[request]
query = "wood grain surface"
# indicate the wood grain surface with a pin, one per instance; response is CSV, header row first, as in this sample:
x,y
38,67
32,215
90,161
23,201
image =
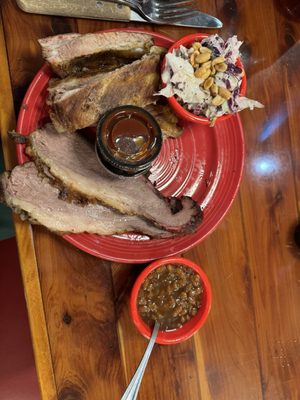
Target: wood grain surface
x,y
27,257
249,349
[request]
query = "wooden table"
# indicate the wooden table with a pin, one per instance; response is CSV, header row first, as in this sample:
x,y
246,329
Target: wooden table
x,y
86,347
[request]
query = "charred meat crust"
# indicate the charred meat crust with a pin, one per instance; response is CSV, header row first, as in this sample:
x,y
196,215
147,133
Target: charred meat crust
x,y
176,205
17,137
100,62
197,215
78,102
75,53
2,193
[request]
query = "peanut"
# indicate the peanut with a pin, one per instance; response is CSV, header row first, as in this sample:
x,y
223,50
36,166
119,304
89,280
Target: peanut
x,y
218,60
206,75
192,59
214,89
207,64
202,58
226,94
204,49
196,45
213,70
221,67
218,100
208,83
200,72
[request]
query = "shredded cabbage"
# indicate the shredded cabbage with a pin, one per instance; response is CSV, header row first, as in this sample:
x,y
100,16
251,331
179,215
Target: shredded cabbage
x,y
178,76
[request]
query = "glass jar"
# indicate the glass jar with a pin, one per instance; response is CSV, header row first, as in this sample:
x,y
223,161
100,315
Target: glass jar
x,y
128,139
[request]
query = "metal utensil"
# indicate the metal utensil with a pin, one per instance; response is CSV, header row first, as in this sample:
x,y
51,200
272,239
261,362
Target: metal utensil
x,y
134,385
112,10
173,12
156,11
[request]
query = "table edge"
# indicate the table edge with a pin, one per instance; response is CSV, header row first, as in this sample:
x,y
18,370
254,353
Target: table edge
x,y
27,258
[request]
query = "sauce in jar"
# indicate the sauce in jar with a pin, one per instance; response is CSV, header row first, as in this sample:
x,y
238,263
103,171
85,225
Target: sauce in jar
x,y
128,140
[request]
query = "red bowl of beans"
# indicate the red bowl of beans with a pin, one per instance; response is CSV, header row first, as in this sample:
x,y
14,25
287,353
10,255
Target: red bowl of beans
x,y
175,292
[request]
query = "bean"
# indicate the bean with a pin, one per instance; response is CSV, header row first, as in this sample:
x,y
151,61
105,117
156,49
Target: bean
x,y
192,301
171,303
170,267
198,290
195,280
194,311
189,287
161,269
142,301
180,273
177,311
183,295
144,309
171,295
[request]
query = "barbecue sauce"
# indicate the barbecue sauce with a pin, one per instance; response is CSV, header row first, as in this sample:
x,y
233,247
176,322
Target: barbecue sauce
x,y
128,140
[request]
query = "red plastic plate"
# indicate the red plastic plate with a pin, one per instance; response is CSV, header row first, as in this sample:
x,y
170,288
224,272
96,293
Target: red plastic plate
x,y
204,163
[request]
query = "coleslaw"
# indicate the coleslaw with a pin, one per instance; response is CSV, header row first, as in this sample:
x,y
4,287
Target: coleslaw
x,y
205,79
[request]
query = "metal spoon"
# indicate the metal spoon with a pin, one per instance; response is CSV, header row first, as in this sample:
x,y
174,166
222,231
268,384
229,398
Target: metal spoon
x,y
134,385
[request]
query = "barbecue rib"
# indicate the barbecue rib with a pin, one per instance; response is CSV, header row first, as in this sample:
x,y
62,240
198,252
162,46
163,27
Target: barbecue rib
x,y
76,103
73,53
72,160
35,199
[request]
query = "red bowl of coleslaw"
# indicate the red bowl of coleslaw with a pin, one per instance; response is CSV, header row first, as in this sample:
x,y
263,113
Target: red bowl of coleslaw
x,y
205,112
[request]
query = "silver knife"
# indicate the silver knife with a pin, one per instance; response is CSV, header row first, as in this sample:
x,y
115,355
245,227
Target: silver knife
x,y
95,9
201,20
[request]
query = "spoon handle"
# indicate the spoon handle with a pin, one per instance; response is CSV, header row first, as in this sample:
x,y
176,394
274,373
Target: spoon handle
x,y
134,385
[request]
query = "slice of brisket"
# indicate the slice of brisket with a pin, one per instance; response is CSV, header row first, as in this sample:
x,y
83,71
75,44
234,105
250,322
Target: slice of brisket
x,y
76,103
72,160
73,53
32,196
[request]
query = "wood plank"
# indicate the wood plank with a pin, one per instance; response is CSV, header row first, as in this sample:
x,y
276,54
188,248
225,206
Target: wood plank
x,y
27,258
79,308
291,77
270,209
228,340
7,113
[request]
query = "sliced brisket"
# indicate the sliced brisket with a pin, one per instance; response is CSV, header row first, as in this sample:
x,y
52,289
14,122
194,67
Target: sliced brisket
x,y
72,160
32,196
